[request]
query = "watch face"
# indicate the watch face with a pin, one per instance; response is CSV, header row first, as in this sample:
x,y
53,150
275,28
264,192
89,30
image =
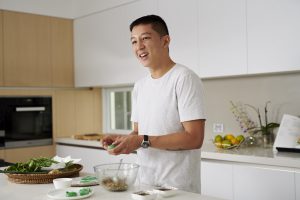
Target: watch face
x,y
145,144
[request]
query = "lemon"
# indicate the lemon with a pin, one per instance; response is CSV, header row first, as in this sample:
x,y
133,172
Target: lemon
x,y
240,138
228,137
234,141
218,144
218,138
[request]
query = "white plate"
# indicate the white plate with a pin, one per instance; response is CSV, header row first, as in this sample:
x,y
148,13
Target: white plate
x,y
61,193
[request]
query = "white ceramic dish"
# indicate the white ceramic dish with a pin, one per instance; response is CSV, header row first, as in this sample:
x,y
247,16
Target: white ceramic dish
x,y
60,183
61,193
144,195
166,191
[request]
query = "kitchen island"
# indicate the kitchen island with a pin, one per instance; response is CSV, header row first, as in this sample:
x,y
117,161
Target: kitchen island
x,y
13,191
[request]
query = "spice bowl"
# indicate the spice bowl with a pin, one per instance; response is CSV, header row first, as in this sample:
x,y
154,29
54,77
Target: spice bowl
x,y
116,177
144,195
166,191
60,183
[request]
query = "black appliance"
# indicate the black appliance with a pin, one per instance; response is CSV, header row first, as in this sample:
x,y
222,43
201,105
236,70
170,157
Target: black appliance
x,y
25,121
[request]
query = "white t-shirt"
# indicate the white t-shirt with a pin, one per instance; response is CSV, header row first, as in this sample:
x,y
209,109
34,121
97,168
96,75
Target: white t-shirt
x,y
159,106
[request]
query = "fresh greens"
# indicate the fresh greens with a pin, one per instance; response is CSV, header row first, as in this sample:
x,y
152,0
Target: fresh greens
x,y
82,192
88,179
71,194
33,165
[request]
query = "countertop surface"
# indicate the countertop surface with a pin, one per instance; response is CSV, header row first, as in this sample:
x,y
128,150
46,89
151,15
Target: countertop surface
x,y
253,155
13,191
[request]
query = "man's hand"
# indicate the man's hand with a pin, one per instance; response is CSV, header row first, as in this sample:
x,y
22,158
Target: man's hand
x,y
126,144
108,140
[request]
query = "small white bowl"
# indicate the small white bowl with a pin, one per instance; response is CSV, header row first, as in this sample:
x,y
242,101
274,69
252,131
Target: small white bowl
x,y
144,195
166,191
60,183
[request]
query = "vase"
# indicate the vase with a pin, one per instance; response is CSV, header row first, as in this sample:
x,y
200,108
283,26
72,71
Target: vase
x,y
268,140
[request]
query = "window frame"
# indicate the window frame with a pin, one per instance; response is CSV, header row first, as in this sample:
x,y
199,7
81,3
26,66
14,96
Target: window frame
x,y
106,104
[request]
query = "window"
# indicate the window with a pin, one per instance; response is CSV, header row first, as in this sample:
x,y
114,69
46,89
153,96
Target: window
x,y
117,110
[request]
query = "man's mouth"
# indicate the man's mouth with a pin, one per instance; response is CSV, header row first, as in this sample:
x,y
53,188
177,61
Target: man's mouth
x,y
143,55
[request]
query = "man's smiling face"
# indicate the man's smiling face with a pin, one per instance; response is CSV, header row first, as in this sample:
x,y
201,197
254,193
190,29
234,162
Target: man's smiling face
x,y
147,45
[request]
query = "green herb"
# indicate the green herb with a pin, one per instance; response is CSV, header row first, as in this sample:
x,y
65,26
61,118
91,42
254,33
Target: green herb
x,y
71,194
111,146
33,165
85,191
88,179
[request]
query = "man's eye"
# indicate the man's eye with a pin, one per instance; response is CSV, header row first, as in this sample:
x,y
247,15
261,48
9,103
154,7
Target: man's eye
x,y
133,42
146,38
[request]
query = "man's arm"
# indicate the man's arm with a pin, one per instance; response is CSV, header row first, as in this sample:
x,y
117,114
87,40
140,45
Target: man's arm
x,y
191,138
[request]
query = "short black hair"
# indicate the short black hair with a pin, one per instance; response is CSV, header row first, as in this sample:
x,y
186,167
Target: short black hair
x,y
157,23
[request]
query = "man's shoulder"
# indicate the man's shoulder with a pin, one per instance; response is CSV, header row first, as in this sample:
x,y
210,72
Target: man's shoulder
x,y
183,71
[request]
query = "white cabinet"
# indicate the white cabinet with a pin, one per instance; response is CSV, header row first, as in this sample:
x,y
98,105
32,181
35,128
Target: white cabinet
x,y
222,37
297,181
91,157
260,183
103,54
216,179
181,20
273,28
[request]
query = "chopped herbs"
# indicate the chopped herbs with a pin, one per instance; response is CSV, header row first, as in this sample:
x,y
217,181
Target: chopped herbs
x,y
82,192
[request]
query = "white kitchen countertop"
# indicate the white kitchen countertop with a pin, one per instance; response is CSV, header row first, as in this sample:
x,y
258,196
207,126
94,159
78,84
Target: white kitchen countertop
x,y
252,155
13,191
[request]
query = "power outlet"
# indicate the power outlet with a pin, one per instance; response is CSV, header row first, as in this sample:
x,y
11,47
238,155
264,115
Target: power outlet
x,y
218,128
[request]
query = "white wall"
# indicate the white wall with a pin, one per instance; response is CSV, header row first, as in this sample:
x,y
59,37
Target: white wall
x,y
281,89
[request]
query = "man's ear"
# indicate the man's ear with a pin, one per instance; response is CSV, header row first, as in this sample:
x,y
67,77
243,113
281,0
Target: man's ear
x,y
166,41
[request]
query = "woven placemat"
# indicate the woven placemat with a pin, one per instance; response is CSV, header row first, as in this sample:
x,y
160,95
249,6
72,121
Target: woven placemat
x,y
44,178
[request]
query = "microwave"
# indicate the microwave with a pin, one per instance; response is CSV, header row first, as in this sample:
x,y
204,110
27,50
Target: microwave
x,y
25,121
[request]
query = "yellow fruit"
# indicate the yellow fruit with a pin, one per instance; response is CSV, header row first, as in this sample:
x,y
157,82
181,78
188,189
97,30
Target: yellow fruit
x,y
228,137
234,141
218,144
218,138
226,144
240,138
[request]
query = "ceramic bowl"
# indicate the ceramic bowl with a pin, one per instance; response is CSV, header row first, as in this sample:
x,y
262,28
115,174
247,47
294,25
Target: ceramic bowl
x,y
144,195
166,191
60,183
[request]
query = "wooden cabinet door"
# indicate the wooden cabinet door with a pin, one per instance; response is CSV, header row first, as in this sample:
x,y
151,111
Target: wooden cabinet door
x,y
273,28
182,24
222,38
1,49
27,55
62,52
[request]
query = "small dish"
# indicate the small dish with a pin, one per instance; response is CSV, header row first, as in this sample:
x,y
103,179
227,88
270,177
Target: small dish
x,y
60,183
166,191
61,193
144,195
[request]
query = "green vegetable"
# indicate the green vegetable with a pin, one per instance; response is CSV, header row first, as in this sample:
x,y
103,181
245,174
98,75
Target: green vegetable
x,y
85,191
88,179
111,146
33,165
71,194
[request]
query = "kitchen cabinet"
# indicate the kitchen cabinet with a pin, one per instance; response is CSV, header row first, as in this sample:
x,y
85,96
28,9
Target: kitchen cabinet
x,y
297,181
273,29
1,49
91,156
26,49
181,21
216,179
77,111
103,54
222,38
263,182
24,154
62,52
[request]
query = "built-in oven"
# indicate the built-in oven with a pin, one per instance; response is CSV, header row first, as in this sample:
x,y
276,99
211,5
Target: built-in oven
x,y
25,121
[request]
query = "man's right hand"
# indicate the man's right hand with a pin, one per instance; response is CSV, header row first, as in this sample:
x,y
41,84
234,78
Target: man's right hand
x,y
108,140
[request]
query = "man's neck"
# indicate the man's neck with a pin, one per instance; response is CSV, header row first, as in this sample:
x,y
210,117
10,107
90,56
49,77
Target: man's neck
x,y
163,68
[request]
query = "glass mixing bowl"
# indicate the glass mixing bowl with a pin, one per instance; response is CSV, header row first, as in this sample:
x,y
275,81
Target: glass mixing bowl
x,y
116,176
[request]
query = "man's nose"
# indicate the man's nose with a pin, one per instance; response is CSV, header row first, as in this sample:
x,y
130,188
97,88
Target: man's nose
x,y
140,44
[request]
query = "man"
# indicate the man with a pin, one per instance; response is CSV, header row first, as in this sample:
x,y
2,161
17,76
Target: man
x,y
167,112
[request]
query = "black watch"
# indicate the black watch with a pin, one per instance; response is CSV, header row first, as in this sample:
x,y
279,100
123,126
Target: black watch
x,y
146,142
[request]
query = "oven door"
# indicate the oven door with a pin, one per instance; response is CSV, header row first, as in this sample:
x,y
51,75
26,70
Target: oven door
x,y
28,126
